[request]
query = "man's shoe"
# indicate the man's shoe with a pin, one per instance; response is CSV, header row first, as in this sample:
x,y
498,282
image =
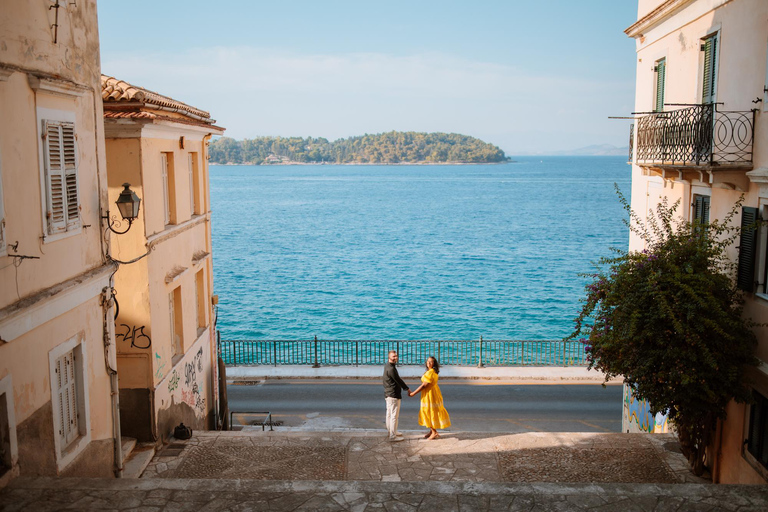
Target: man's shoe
x,y
398,435
396,439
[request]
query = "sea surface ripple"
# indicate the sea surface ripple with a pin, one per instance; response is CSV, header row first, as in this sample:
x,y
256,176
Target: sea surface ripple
x,y
411,252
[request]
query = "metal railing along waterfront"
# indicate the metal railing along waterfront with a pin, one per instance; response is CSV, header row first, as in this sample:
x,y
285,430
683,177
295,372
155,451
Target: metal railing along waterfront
x,y
316,352
697,135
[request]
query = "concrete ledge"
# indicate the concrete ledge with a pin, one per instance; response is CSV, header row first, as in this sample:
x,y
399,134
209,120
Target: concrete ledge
x,y
512,374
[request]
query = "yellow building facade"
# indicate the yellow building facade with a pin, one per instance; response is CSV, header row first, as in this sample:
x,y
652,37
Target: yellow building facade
x,y
701,137
58,415
165,325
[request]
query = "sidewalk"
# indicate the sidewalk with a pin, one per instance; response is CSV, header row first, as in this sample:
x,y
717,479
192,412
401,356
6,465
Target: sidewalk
x,y
361,471
508,374
281,472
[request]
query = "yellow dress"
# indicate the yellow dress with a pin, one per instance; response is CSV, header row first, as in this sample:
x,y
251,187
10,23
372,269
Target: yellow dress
x,y
432,414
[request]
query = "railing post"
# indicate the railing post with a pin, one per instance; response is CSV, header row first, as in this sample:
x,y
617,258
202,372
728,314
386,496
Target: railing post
x,y
565,363
480,361
439,358
357,350
397,349
274,353
315,365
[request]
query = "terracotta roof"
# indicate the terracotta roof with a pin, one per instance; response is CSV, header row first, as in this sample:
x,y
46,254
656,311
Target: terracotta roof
x,y
118,92
152,116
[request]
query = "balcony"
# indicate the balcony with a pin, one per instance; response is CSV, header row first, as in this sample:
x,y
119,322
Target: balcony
x,y
695,140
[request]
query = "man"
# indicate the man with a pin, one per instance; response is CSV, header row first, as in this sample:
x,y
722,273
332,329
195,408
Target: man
x,y
393,385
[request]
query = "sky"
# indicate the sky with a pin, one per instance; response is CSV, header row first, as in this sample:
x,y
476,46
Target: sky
x,y
530,76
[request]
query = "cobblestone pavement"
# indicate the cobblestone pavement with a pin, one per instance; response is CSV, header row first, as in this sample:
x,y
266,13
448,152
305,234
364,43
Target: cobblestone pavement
x,y
160,494
456,457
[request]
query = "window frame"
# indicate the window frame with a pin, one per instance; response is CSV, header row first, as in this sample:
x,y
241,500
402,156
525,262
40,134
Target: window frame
x,y
165,176
45,116
3,237
6,393
67,452
762,444
176,317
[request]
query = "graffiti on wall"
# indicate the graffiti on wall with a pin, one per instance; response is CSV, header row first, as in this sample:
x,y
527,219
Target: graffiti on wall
x,y
135,335
191,368
173,382
186,383
638,417
160,365
193,399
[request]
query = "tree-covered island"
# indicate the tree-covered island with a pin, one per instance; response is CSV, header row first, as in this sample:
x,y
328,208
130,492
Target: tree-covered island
x,y
383,148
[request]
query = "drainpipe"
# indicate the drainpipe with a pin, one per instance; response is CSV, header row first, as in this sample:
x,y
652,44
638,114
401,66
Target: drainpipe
x,y
110,360
212,346
107,294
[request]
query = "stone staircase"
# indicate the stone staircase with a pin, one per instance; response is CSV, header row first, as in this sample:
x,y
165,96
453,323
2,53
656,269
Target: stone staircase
x,y
136,457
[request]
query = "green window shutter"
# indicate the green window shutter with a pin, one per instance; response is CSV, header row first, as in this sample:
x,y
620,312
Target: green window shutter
x,y
747,249
661,72
710,65
701,209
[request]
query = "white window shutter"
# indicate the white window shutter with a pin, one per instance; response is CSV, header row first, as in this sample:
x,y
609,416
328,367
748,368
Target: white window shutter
x,y
54,177
69,150
67,396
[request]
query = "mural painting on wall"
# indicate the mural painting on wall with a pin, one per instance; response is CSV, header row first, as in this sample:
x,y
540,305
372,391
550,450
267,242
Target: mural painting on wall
x,y
637,414
135,335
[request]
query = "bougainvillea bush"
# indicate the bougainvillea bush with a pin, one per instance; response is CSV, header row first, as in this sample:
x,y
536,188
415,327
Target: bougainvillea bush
x,y
668,319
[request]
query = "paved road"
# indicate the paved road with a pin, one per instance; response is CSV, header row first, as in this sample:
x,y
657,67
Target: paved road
x,y
474,407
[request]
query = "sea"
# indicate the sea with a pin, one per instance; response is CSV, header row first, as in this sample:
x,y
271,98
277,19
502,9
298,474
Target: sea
x,y
412,252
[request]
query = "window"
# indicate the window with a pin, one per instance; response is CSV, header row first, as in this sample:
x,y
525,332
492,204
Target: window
x,y
202,322
169,188
177,327
747,249
757,443
9,451
765,86
701,209
66,397
194,185
710,47
62,201
69,392
660,71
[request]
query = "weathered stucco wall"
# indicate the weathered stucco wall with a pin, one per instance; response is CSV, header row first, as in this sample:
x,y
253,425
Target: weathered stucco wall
x,y
740,79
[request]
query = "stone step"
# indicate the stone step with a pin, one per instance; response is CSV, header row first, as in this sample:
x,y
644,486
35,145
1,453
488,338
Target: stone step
x,y
284,496
140,458
127,444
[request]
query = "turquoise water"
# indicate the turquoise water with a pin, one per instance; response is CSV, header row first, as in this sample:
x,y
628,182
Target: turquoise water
x,y
411,252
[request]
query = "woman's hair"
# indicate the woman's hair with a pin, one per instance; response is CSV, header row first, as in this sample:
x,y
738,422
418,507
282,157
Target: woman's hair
x,y
435,364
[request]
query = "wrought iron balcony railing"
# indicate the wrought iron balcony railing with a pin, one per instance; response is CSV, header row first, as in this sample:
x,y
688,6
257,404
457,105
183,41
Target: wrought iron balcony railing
x,y
695,136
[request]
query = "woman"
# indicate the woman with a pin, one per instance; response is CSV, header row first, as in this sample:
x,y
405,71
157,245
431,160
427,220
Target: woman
x,y
432,414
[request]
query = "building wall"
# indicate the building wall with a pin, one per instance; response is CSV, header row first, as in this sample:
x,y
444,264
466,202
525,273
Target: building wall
x,y
50,304
177,384
742,26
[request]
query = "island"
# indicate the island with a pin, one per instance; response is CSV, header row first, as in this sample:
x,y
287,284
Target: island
x,y
382,148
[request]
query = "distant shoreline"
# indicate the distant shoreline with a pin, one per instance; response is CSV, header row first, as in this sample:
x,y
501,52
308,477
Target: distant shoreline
x,y
230,164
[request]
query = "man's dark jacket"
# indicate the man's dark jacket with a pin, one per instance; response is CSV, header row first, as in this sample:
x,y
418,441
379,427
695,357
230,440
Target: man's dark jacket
x,y
392,382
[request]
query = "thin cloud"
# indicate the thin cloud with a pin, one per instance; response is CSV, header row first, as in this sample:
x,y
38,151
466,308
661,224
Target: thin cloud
x,y
260,91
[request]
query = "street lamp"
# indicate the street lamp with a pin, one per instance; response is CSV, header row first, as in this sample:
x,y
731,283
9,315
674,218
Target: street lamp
x,y
128,204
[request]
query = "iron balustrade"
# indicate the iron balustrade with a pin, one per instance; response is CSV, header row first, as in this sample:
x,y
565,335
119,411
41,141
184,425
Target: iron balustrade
x,y
697,135
316,352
